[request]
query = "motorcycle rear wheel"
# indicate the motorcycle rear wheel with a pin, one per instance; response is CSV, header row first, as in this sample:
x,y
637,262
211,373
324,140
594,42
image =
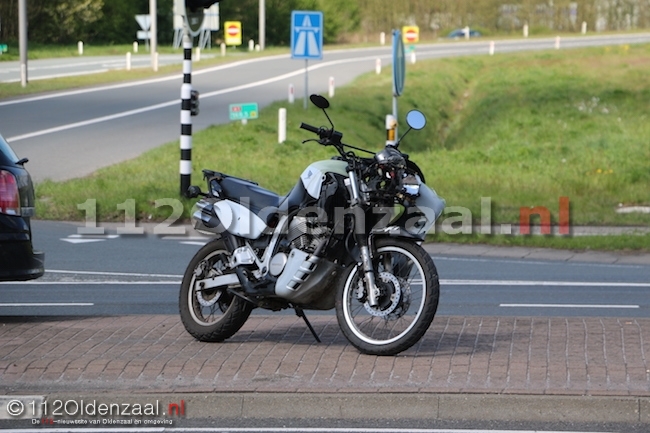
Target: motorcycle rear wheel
x,y
410,290
211,315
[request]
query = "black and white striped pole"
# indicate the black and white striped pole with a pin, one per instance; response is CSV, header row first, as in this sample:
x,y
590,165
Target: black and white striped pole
x,y
194,12
186,115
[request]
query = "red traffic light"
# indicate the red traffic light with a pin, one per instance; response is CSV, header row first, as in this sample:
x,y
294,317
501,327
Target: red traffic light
x,y
193,5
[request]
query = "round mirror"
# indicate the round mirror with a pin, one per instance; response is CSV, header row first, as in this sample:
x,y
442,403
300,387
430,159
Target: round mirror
x,y
415,119
319,101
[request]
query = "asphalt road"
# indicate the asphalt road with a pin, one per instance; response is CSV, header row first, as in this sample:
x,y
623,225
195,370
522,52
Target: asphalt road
x,y
83,65
71,134
123,274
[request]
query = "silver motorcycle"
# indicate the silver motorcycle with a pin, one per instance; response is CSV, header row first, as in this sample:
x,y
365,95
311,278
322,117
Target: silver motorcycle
x,y
347,237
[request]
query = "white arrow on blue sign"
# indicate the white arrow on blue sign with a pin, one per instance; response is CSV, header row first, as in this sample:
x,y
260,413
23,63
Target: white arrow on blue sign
x,y
307,35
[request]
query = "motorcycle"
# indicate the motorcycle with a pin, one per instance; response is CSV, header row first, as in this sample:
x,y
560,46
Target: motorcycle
x,y
346,237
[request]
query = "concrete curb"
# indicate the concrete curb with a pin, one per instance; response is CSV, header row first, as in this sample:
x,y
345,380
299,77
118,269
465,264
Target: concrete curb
x,y
351,406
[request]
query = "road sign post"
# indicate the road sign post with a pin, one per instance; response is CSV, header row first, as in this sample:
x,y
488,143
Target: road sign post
x,y
399,71
307,40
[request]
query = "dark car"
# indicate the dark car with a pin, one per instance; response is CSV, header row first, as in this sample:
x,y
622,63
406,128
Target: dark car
x,y
18,260
460,33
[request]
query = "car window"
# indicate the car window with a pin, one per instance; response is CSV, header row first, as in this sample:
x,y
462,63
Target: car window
x,y
7,151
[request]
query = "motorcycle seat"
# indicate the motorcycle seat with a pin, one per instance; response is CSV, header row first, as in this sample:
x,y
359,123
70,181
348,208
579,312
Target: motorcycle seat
x,y
249,194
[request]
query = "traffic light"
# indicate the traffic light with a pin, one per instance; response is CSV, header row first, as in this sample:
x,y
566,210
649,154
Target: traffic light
x,y
194,102
193,5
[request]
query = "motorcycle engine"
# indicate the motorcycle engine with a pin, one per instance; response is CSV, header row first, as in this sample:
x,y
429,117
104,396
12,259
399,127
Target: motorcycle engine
x,y
305,233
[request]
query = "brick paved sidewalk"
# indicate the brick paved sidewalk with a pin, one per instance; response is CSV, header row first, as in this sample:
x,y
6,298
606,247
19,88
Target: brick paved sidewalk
x,y
559,356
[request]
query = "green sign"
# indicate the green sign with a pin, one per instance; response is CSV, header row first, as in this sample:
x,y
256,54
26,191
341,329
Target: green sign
x,y
243,111
3,48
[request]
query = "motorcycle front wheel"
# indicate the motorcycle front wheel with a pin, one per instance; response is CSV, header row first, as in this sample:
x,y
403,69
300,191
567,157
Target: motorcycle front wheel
x,y
409,292
213,314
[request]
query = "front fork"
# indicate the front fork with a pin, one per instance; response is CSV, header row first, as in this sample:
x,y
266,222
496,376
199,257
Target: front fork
x,y
362,241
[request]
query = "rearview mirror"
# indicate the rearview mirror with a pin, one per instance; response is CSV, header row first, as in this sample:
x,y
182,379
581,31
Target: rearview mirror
x,y
415,119
319,101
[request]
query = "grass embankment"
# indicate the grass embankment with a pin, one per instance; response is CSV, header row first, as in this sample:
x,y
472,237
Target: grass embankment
x,y
522,129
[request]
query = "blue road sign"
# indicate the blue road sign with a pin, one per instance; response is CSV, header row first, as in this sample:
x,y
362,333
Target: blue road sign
x,y
307,35
399,68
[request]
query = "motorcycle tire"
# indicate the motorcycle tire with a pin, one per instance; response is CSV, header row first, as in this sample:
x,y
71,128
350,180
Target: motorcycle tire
x,y
211,315
409,293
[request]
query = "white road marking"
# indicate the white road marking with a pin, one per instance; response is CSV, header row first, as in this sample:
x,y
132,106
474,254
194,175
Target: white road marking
x,y
49,304
539,283
568,306
173,102
47,77
88,283
122,274
527,261
132,83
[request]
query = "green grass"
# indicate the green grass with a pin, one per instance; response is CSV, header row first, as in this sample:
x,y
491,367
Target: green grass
x,y
522,129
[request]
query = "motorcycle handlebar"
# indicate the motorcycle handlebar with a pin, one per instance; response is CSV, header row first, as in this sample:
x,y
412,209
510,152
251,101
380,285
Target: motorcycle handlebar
x,y
310,128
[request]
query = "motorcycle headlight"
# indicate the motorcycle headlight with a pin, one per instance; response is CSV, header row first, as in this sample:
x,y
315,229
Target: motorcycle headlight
x,y
411,185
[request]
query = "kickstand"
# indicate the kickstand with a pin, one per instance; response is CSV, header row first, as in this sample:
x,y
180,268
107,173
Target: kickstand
x,y
301,313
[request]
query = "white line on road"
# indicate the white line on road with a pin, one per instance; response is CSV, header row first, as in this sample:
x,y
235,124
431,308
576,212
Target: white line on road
x,y
49,304
527,261
568,306
539,283
175,101
123,274
88,283
132,83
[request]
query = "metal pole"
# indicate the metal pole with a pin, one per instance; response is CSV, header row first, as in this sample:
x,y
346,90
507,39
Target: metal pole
x,y
186,115
262,25
153,11
395,116
306,82
22,36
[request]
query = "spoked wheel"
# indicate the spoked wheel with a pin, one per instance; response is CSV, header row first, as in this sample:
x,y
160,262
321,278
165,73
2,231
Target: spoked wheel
x,y
409,291
210,314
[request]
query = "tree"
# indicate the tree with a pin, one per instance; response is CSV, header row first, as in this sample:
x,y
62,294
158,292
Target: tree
x,y
63,21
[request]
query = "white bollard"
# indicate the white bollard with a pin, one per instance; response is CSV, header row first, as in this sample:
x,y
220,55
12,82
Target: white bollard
x,y
135,47
80,48
251,45
198,54
412,57
257,47
223,50
382,38
155,61
282,125
466,31
584,27
491,48
331,87
525,30
557,42
128,61
378,66
291,94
